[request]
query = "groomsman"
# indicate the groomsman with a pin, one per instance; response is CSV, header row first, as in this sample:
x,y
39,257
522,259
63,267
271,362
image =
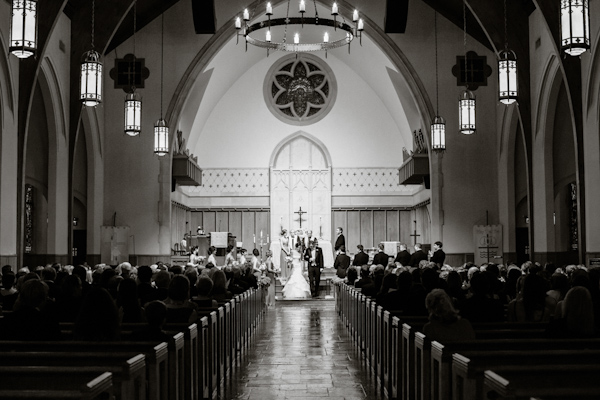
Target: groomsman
x,y
381,258
417,256
403,256
361,258
437,255
341,263
341,240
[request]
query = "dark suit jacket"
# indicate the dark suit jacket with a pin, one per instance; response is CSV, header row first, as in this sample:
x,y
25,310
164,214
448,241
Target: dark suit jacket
x,y
361,258
318,256
438,257
341,240
341,264
403,258
416,258
381,258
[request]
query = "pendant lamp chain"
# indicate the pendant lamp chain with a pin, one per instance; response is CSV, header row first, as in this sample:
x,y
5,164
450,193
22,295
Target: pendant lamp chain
x,y
93,20
162,50
465,39
505,28
437,91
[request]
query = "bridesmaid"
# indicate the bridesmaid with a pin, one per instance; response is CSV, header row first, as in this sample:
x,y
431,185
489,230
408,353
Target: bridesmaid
x,y
212,252
284,240
229,258
270,272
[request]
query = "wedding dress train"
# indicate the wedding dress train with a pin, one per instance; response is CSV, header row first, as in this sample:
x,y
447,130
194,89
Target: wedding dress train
x,y
296,286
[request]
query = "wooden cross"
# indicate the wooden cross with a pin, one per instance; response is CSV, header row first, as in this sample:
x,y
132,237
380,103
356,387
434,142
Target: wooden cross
x,y
414,235
300,212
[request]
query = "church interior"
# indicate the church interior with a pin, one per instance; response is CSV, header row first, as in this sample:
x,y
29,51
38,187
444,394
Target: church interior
x,y
133,130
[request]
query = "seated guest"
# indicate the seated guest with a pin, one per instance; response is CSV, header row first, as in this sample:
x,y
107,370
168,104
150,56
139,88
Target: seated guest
x,y
445,324
381,258
128,303
146,292
98,319
388,285
351,276
574,316
8,293
125,269
365,278
249,277
204,288
481,306
454,288
155,313
559,285
31,319
373,288
237,285
533,305
68,303
403,256
162,281
415,303
219,289
192,275
361,258
82,273
510,286
341,263
397,299
48,276
179,307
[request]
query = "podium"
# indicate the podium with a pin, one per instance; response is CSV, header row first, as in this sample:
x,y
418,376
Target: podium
x,y
204,242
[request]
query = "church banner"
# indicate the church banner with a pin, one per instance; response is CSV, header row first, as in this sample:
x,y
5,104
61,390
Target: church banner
x,y
218,239
488,243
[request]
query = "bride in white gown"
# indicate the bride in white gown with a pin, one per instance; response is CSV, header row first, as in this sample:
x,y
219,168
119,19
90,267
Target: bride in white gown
x,y
296,287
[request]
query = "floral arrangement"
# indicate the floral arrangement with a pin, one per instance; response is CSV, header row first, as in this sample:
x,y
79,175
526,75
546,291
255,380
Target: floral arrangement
x,y
264,281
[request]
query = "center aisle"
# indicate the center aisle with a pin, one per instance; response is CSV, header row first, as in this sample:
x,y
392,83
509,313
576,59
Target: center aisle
x,y
301,350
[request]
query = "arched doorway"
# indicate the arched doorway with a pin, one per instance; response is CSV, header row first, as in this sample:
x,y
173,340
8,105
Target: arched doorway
x,y
300,171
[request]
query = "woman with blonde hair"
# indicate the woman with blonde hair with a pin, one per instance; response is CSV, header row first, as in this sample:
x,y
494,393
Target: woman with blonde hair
x,y
574,316
445,324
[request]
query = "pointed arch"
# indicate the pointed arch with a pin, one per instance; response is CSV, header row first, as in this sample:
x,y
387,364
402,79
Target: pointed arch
x,y
300,134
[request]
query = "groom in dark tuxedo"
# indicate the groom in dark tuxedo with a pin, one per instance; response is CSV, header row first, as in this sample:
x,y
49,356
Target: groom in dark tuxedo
x,y
314,256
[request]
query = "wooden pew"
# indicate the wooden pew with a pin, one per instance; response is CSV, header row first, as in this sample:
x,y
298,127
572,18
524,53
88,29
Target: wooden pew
x,y
128,370
441,355
54,383
156,356
549,381
468,367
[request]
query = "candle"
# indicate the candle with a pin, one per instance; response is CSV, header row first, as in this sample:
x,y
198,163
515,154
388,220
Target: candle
x,y
268,36
334,9
246,15
238,23
254,238
267,238
269,9
302,6
326,37
261,234
355,16
361,25
296,38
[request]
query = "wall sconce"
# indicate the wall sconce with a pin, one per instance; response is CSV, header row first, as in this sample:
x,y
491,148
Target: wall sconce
x,y
75,221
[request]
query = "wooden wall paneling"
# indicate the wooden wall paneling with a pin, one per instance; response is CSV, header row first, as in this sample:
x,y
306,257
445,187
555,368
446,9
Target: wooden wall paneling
x,y
222,221
339,220
235,224
393,225
379,227
366,228
262,224
406,228
353,233
210,221
197,220
247,230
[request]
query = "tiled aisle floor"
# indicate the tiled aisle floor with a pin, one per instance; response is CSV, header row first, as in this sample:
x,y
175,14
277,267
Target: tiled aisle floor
x,y
301,350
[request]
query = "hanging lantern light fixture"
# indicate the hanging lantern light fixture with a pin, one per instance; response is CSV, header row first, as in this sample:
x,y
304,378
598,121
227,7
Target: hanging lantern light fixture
x,y
161,128
23,28
466,100
507,70
91,73
438,125
574,26
133,100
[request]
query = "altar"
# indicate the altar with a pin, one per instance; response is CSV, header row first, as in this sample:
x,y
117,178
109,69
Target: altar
x,y
323,244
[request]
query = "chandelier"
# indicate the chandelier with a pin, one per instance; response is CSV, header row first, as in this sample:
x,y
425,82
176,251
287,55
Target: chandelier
x,y
507,70
133,100
466,100
286,32
438,125
23,28
161,127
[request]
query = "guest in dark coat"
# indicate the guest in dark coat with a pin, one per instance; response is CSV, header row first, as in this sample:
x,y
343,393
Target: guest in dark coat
x,y
341,263
156,317
361,258
381,258
365,278
437,255
98,319
146,292
482,306
403,256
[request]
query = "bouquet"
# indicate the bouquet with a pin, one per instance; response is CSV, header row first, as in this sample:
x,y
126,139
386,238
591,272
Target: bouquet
x,y
264,281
